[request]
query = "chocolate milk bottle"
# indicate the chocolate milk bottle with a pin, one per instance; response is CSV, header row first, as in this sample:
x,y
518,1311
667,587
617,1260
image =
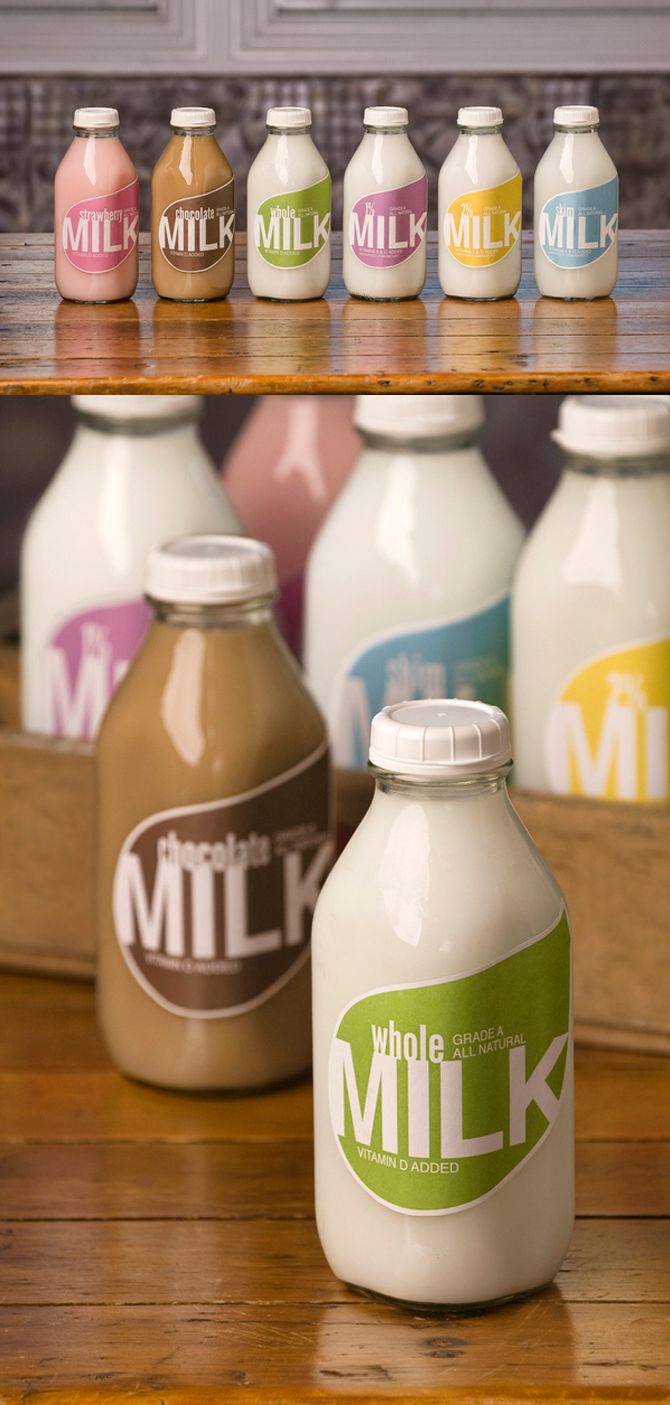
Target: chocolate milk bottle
x,y
213,832
192,212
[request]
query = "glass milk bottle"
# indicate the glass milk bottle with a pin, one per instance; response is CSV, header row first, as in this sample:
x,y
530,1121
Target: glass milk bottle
x,y
288,211
385,211
408,579
96,212
214,832
136,472
576,210
442,1027
591,610
192,212
479,216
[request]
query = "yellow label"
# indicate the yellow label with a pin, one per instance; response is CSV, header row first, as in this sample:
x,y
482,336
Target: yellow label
x,y
608,732
481,226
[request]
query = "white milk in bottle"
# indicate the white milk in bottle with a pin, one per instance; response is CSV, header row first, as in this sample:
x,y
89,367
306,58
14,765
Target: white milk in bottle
x,y
385,211
408,580
576,210
442,1027
135,475
479,217
591,610
288,211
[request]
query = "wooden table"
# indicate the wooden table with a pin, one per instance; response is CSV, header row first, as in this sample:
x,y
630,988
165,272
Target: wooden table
x,y
160,1248
337,344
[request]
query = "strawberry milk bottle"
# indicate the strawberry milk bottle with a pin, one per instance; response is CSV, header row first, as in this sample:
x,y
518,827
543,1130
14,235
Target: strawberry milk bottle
x,y
96,212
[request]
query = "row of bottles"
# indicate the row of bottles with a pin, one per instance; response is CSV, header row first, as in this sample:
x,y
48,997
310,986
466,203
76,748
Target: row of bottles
x,y
410,580
385,200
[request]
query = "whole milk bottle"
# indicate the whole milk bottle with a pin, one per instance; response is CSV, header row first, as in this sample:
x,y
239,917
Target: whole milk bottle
x,y
442,1027
288,211
591,610
135,473
408,579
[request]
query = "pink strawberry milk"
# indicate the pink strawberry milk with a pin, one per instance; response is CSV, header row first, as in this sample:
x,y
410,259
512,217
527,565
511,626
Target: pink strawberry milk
x,y
96,212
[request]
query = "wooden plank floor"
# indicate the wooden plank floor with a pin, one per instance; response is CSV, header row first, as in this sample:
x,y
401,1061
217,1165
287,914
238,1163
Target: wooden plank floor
x,y
336,344
161,1248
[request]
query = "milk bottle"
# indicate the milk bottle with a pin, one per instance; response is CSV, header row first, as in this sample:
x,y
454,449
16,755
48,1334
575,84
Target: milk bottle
x,y
288,211
576,210
135,473
479,216
192,211
407,584
385,211
96,212
442,1027
213,831
591,610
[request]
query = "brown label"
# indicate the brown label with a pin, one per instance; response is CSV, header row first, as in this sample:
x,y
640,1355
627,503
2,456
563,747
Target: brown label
x,y
195,233
213,903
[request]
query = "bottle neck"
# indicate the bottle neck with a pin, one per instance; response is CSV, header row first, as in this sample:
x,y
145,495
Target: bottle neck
x,y
576,131
136,429
247,614
440,444
193,131
95,134
632,467
291,132
436,788
481,131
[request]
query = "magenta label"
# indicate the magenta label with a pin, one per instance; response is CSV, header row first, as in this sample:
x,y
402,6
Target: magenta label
x,y
85,659
387,227
98,234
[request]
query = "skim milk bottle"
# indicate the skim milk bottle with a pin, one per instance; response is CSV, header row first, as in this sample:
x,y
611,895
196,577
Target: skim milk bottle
x,y
479,217
136,474
288,211
591,610
442,1027
576,210
408,580
385,211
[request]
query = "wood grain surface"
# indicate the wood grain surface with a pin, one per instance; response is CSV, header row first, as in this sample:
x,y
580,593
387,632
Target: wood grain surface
x,y
336,344
161,1249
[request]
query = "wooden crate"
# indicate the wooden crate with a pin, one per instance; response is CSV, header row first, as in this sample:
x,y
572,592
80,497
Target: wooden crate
x,y
611,861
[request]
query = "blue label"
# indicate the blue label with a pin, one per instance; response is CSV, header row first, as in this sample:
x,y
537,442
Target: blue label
x,y
578,226
463,658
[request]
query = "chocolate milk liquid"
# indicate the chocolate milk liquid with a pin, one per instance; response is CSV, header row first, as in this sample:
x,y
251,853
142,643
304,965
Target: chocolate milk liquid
x,y
214,832
192,212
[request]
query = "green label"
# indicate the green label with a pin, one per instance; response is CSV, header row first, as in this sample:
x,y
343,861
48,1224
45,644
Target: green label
x,y
439,1091
290,229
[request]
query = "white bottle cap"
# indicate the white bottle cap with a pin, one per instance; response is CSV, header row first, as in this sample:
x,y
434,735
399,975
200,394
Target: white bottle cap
x,y
418,416
193,117
137,407
444,737
576,117
385,117
211,570
287,118
614,426
480,117
91,119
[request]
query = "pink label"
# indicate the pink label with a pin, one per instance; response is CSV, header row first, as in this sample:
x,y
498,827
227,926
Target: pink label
x,y
85,659
98,234
386,228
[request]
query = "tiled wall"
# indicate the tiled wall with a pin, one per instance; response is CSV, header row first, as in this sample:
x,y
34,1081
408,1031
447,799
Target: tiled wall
x,y
36,114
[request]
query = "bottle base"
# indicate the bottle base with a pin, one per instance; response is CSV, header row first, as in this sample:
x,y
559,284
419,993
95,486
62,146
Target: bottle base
x,y
432,1309
561,297
96,302
216,297
367,297
218,1090
468,297
267,297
